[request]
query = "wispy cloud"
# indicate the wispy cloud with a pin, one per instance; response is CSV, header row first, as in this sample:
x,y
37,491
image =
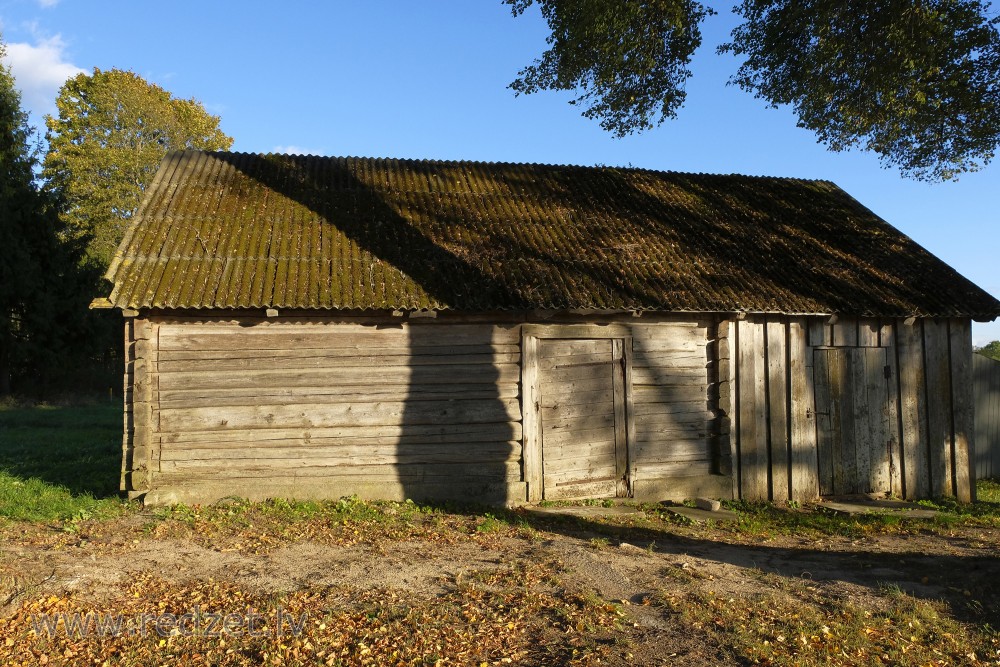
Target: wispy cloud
x,y
296,150
47,4
39,70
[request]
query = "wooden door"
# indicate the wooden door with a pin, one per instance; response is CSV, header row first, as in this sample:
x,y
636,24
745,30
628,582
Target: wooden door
x,y
854,437
582,413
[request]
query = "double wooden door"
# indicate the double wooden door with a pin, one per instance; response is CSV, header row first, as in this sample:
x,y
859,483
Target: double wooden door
x,y
854,436
582,413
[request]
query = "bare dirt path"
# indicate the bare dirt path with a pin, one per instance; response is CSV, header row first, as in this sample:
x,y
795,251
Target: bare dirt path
x,y
648,572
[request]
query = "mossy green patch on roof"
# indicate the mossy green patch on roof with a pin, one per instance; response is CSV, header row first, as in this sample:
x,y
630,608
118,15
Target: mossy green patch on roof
x,y
233,231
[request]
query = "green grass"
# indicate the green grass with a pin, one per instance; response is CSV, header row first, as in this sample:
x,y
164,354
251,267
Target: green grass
x,y
988,491
60,463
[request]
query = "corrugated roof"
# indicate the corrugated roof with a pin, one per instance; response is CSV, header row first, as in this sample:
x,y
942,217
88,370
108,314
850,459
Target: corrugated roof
x,y
233,230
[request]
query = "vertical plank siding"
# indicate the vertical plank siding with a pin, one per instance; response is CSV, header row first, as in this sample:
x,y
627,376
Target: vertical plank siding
x,y
857,421
986,392
804,465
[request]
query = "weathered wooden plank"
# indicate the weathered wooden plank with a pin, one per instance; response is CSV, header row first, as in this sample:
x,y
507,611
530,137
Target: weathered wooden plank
x,y
676,469
344,360
667,360
458,374
752,405
868,332
803,463
390,454
670,377
657,346
825,419
376,348
206,488
653,451
845,332
843,389
939,411
547,331
675,424
820,333
567,411
583,456
342,394
560,437
239,338
384,434
621,442
630,432
777,405
556,349
584,472
866,404
591,373
349,390
688,410
664,398
555,391
563,361
581,490
913,410
284,336
411,471
332,415
887,339
960,343
652,333
554,399
599,418
879,420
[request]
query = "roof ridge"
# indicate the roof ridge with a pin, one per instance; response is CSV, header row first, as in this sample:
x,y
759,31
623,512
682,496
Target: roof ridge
x,y
507,163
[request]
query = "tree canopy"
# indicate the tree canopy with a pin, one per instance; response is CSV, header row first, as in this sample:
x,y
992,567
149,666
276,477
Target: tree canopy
x,y
991,350
111,132
44,288
917,83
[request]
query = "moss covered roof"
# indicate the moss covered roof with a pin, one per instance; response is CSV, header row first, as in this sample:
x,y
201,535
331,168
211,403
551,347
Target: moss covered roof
x,y
234,231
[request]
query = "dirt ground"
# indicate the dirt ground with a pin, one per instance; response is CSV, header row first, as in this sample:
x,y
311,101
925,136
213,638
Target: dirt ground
x,y
629,566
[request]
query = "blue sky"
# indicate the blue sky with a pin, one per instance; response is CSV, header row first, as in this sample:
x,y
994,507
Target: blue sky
x,y
396,78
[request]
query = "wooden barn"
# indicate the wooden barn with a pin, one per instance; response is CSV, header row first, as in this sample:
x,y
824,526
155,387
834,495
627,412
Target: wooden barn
x,y
316,327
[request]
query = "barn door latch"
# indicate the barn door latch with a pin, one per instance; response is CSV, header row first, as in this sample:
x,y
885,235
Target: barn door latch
x,y
888,372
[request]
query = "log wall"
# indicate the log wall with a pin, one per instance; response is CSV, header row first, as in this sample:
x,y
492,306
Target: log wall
x,y
928,414
319,409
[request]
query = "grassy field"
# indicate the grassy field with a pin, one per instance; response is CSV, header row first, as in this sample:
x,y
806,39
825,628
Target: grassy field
x,y
411,584
60,463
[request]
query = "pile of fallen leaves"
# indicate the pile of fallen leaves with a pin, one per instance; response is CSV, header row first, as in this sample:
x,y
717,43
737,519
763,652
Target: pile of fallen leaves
x,y
799,625
509,615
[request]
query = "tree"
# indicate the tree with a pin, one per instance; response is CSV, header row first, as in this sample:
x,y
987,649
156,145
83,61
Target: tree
x,y
44,289
917,83
111,132
991,350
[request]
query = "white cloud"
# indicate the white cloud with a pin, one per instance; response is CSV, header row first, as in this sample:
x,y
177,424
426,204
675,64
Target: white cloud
x,y
39,71
47,4
295,150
